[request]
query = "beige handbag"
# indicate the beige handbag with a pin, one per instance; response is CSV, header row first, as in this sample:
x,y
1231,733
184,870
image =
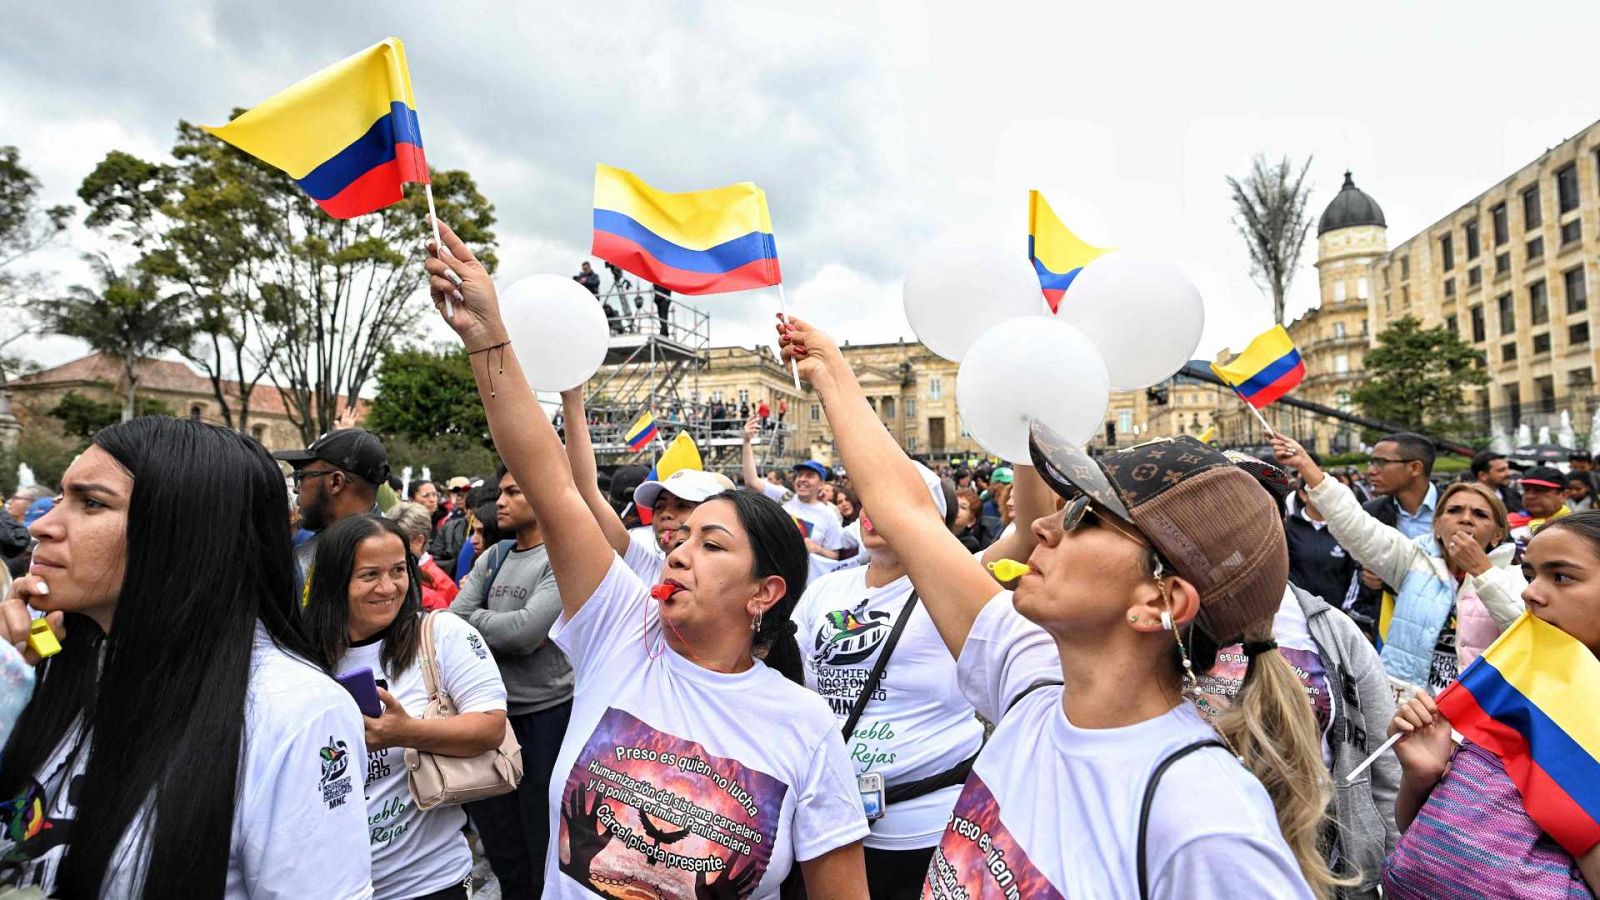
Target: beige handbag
x,y
438,780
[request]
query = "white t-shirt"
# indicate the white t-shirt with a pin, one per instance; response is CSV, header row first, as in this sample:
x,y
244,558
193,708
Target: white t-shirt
x,y
415,852
916,724
1293,634
1052,810
645,556
672,775
299,827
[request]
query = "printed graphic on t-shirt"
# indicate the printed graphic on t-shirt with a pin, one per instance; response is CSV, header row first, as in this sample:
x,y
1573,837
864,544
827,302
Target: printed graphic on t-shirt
x,y
26,821
840,650
335,781
1219,686
1443,671
978,858
645,814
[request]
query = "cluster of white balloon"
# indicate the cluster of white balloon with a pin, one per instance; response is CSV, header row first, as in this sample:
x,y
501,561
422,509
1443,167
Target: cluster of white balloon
x,y
1127,322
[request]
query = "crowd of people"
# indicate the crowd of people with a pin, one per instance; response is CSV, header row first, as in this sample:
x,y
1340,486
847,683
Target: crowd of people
x,y
819,681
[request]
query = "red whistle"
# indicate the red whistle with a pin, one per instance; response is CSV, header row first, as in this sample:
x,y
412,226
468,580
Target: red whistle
x,y
663,591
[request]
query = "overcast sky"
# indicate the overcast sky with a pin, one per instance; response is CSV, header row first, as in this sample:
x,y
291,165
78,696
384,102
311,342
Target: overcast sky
x,y
872,126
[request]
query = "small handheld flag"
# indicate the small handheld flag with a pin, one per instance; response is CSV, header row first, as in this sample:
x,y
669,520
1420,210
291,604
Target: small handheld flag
x,y
1267,369
347,134
1057,254
699,242
681,453
642,432
1530,700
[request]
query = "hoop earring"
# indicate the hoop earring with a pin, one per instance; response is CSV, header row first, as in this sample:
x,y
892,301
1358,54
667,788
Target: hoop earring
x,y
755,624
1166,620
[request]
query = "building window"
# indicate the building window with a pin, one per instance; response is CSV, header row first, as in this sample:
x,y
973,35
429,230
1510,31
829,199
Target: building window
x,y
888,407
1513,394
1338,292
816,412
1508,314
1405,268
1405,295
1341,364
1541,343
195,412
1546,387
1452,323
744,395
1125,421
1571,231
1578,334
1532,213
1577,289
911,407
1472,240
1361,288
1386,277
1567,188
1536,249
716,396
1474,276
1447,249
911,443
1508,352
935,388
1338,329
1538,303
1478,330
1502,264
1449,287
259,432
1502,228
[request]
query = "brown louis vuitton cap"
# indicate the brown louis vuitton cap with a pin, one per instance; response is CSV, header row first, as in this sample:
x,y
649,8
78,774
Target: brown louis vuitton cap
x,y
1213,521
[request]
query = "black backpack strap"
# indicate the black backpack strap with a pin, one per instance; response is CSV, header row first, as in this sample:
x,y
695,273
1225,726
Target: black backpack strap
x,y
1042,683
911,790
497,557
877,669
1150,796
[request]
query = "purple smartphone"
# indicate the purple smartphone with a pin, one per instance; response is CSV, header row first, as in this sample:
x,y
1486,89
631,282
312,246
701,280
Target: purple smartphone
x,y
364,688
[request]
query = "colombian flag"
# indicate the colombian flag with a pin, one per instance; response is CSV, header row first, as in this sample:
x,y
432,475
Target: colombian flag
x,y
804,526
642,432
1058,255
681,453
1530,699
700,242
347,134
1267,369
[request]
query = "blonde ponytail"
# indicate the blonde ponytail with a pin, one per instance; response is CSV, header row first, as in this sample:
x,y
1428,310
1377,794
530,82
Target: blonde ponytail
x,y
1272,728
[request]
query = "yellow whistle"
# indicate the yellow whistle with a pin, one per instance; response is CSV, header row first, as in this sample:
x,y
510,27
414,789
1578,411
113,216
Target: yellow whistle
x,y
42,640
1008,569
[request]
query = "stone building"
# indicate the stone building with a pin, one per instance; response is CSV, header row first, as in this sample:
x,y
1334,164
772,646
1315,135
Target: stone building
x,y
186,392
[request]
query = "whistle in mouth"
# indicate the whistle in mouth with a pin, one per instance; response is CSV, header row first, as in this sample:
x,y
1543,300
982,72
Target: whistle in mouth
x,y
1008,569
663,592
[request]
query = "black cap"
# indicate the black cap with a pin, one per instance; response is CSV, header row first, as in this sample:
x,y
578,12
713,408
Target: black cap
x,y
625,479
354,450
1545,477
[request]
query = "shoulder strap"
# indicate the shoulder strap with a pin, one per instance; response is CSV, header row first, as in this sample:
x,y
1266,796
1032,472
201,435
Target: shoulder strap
x,y
426,656
876,676
497,556
1150,796
1042,683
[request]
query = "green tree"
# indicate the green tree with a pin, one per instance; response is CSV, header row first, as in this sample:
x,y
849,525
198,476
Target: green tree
x,y
26,226
279,290
1270,211
82,416
126,317
424,394
1415,376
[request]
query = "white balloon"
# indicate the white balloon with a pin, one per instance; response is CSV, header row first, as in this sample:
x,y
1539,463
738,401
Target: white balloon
x,y
1144,314
1032,367
557,328
959,285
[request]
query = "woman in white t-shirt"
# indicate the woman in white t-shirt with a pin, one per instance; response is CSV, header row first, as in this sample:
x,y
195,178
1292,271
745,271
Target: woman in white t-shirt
x,y
364,611
1111,785
915,728
181,725
691,768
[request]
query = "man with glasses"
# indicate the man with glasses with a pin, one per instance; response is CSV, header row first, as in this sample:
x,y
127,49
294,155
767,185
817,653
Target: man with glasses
x,y
334,478
1398,473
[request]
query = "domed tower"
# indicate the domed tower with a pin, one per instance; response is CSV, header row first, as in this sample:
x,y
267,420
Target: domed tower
x,y
1333,337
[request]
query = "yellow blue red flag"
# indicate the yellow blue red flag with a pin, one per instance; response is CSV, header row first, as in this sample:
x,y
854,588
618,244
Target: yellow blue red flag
x,y
1057,254
699,242
1530,700
681,453
348,134
1267,369
642,432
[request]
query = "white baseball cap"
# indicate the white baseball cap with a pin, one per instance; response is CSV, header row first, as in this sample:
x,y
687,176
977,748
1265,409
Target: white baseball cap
x,y
689,485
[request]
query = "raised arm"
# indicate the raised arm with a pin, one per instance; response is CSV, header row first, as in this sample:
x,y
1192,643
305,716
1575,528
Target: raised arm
x,y
580,454
1380,549
522,433
954,587
752,478
1035,500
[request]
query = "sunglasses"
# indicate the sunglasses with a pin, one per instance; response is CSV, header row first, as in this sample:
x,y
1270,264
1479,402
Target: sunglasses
x,y
1081,511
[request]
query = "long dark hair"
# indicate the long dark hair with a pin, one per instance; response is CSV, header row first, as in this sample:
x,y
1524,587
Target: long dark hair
x,y
779,550
327,613
163,696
